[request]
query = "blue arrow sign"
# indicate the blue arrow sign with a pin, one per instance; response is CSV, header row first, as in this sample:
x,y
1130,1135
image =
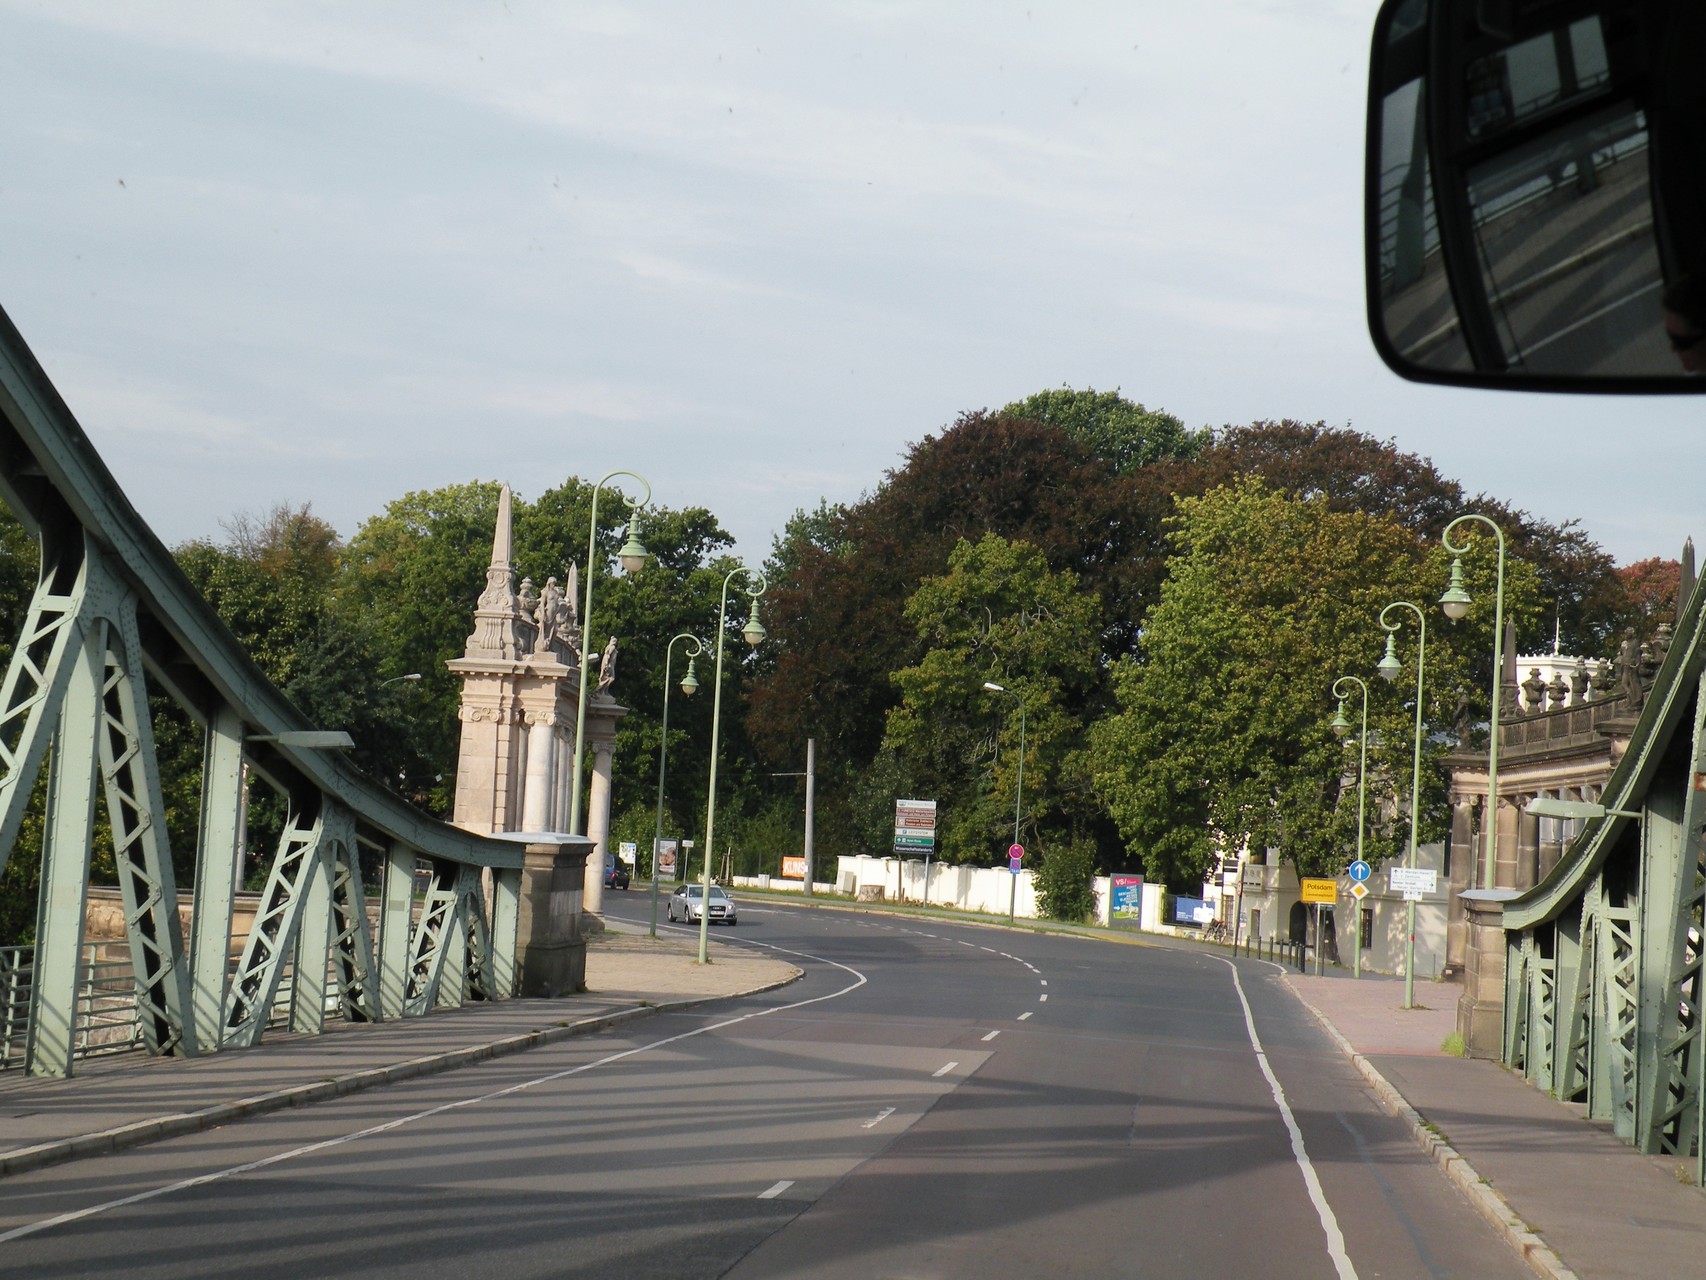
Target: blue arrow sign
x,y
1360,871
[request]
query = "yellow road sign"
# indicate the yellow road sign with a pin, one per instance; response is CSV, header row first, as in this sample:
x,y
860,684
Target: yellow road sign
x,y
1320,891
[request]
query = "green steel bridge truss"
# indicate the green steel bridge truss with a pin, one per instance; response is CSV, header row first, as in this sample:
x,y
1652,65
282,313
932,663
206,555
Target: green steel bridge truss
x,y
111,621
1603,958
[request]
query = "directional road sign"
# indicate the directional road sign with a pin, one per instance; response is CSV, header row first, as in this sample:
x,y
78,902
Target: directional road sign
x,y
1361,871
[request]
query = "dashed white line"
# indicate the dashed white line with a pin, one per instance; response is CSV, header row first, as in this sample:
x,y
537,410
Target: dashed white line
x,y
938,1074
877,1119
1043,999
992,1035
1045,982
1023,1016
776,1190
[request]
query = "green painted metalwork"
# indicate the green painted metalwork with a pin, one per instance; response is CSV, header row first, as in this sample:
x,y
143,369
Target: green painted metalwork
x,y
352,942
312,927
395,924
273,933
1669,1095
1619,961
219,871
136,812
432,939
70,829
1574,988
506,917
1518,954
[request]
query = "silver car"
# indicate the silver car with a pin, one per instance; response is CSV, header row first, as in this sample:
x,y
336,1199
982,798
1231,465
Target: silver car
x,y
687,904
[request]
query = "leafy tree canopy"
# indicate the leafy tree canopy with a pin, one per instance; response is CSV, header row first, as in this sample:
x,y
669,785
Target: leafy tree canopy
x,y
1123,434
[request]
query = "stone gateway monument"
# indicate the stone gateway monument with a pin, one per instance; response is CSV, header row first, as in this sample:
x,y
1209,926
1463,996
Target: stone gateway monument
x,y
520,671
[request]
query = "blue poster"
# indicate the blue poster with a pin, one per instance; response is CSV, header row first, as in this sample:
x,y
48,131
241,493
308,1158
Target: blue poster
x,y
1126,904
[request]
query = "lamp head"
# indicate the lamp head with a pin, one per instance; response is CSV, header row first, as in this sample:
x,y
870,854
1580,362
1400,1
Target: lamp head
x,y
690,681
632,556
1388,667
993,687
1338,724
753,632
1456,600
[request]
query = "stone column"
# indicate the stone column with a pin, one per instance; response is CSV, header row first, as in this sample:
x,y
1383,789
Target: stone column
x,y
1467,848
552,949
598,823
1481,1007
537,794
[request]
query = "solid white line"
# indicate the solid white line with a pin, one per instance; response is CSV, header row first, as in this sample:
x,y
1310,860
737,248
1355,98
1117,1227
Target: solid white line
x,y
992,1035
1317,1197
877,1119
30,1229
776,1190
938,1074
1023,1016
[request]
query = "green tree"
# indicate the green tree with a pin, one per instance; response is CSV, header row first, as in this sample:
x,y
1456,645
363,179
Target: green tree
x,y
1221,743
999,614
1123,434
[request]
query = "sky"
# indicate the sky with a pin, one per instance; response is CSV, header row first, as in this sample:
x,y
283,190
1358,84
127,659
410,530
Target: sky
x,y
315,252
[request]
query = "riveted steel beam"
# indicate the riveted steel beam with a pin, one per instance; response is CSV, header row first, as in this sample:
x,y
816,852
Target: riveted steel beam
x,y
273,933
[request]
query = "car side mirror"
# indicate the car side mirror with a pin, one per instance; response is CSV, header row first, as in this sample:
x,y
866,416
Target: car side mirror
x,y
1536,193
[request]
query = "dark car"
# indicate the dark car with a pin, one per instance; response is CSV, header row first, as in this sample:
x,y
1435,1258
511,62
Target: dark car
x,y
618,876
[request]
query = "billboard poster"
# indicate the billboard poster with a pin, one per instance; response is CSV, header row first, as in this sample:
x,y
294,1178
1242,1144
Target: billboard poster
x,y
793,868
665,853
1125,905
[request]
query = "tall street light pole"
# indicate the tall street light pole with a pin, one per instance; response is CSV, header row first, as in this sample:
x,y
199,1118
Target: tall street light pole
x,y
753,634
689,683
1341,726
1456,602
1018,792
632,556
1388,669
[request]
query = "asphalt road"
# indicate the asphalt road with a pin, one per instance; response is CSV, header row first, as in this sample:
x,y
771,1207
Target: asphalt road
x,y
930,1100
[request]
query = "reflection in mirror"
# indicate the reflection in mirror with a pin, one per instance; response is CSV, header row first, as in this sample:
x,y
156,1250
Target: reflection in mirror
x,y
1521,226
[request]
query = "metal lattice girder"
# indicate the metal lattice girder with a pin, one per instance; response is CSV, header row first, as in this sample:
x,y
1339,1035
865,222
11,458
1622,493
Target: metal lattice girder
x,y
394,925
506,920
309,984
1575,1003
1542,1018
70,828
432,939
352,943
137,813
479,981
1618,965
1674,858
218,872
1519,955
273,932
35,683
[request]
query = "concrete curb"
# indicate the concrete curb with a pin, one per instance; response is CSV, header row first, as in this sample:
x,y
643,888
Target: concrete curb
x,y
1493,1206
142,1132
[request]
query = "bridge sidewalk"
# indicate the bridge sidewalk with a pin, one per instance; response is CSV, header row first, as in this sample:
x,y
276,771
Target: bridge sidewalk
x,y
126,1099
1565,1191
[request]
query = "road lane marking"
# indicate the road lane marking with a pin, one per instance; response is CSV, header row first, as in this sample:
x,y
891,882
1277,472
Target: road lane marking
x,y
877,1119
1045,982
776,1190
312,1148
1023,1016
1043,999
992,1035
1317,1197
938,1074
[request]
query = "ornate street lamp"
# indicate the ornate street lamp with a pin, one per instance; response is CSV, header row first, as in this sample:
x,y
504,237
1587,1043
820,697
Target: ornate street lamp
x,y
753,634
1388,669
1456,602
1018,791
1340,727
689,684
632,556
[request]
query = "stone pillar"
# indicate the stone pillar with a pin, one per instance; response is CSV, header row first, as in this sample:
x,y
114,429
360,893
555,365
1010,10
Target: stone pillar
x,y
1467,847
1527,844
598,823
538,793
551,948
1481,1007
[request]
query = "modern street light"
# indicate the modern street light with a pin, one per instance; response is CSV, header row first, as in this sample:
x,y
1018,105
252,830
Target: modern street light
x,y
1388,669
632,556
1340,727
1456,602
413,675
689,683
753,634
1018,791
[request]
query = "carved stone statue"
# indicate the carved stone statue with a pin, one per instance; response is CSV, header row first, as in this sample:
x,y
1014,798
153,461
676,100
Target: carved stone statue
x,y
545,616
1629,672
526,607
607,666
1534,692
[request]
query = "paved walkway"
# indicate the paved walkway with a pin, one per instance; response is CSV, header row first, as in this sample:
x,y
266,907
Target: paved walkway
x,y
1569,1195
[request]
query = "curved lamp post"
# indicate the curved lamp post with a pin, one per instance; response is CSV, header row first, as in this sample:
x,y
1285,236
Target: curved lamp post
x,y
632,555
753,634
689,683
1456,602
1340,727
1388,669
1018,789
